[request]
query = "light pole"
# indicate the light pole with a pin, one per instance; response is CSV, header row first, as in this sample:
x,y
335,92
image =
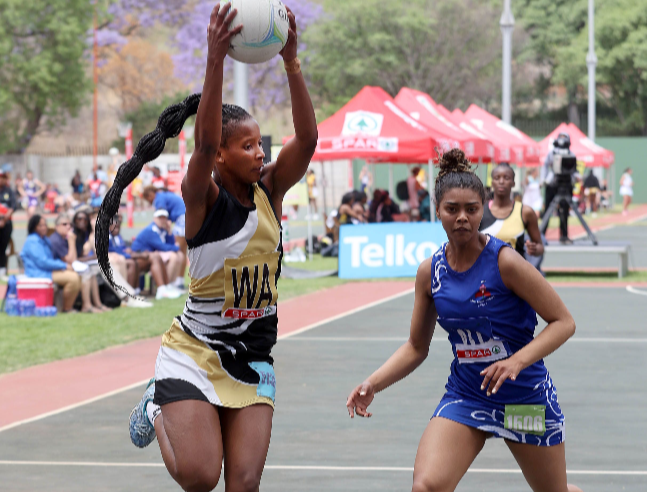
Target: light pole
x,y
507,26
591,63
241,85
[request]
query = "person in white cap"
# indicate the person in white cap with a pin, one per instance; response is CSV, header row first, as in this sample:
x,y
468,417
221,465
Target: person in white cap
x,y
157,237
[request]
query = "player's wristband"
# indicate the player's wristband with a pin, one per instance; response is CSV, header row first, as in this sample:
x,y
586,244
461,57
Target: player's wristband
x,y
293,66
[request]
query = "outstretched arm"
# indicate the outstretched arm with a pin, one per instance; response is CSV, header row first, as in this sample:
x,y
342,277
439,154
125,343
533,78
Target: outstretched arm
x,y
535,246
410,355
198,189
292,163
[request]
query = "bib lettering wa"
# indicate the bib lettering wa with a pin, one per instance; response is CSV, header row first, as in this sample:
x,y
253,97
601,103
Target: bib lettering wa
x,y
250,287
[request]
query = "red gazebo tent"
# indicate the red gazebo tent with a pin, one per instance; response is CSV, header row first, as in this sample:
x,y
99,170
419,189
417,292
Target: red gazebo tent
x,y
584,149
423,108
372,126
502,151
523,149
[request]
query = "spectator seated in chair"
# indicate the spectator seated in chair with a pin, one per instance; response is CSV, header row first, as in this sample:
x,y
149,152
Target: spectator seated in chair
x,y
157,238
163,199
39,262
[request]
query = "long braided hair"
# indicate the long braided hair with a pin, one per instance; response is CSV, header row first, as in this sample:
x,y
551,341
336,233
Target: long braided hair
x,y
169,125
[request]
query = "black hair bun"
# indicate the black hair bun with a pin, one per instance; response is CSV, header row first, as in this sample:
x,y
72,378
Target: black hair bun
x,y
454,161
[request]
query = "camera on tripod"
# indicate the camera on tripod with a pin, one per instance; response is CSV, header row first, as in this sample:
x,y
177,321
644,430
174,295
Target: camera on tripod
x,y
564,163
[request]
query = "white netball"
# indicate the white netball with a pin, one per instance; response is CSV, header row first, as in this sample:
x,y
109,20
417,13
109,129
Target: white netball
x,y
265,30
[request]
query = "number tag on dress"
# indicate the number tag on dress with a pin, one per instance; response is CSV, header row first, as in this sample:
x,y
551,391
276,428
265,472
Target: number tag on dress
x,y
267,382
529,419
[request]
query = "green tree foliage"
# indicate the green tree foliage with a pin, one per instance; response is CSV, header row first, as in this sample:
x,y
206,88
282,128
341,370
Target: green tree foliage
x,y
552,25
621,46
144,120
42,66
450,49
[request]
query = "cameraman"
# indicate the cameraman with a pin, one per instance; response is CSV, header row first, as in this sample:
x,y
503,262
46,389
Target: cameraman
x,y
561,146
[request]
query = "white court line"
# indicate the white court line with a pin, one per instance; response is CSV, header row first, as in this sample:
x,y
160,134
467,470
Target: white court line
x,y
72,407
443,340
140,383
633,290
313,467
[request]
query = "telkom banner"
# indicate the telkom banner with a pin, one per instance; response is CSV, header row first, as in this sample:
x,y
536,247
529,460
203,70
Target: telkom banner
x,y
387,250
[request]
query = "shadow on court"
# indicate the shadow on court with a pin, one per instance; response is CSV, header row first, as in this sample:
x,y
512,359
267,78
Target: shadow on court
x,y
317,447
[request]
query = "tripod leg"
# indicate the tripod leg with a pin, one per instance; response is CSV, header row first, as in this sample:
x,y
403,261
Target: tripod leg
x,y
583,222
548,214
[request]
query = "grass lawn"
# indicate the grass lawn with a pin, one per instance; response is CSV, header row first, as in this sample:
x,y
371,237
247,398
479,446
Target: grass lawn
x,y
29,341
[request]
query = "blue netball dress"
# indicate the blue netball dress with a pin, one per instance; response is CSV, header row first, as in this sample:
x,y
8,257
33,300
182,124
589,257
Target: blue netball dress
x,y
487,322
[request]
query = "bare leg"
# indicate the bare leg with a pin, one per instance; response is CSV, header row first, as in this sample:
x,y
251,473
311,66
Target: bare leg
x,y
174,265
86,292
544,467
158,271
246,438
446,451
190,440
118,262
132,273
96,299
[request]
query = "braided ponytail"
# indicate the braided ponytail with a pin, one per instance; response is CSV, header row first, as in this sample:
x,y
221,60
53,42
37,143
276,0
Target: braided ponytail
x,y
169,125
455,171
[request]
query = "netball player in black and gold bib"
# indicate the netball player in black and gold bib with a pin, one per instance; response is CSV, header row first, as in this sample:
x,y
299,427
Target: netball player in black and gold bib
x,y
214,382
507,219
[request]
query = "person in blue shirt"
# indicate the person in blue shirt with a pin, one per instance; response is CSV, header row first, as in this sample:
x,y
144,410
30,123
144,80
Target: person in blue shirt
x,y
157,238
39,262
487,297
163,199
144,261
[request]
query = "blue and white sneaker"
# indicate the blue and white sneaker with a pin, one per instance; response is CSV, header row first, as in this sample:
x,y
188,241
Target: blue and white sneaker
x,y
142,432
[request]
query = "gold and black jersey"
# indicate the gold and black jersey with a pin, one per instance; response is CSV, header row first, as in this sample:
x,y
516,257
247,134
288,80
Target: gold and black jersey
x,y
511,229
235,264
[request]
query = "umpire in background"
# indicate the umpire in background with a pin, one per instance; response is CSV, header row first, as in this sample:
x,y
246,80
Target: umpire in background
x,y
561,145
7,206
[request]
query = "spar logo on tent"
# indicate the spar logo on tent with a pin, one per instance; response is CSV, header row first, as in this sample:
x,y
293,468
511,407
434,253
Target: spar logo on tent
x,y
363,122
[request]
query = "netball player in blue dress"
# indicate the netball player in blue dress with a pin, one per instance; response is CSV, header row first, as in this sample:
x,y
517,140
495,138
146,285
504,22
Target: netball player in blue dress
x,y
486,296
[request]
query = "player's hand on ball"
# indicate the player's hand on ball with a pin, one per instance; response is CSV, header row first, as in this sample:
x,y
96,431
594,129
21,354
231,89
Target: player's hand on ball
x,y
497,373
359,400
289,51
218,33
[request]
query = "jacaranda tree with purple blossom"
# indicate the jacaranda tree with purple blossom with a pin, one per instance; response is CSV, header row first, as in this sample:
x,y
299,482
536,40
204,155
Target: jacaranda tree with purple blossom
x,y
268,85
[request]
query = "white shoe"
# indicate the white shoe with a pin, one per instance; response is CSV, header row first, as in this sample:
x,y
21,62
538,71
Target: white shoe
x,y
173,292
167,292
136,303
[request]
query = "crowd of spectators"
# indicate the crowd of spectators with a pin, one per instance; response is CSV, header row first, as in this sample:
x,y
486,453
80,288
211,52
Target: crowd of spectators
x,y
415,202
64,251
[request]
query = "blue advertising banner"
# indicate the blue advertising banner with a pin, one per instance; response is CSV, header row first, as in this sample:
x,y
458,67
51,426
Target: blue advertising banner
x,y
387,250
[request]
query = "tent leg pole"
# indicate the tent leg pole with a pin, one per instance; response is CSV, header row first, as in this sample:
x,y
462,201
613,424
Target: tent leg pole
x,y
430,190
309,232
391,179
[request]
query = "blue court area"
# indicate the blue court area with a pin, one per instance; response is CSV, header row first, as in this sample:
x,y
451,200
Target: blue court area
x,y
317,447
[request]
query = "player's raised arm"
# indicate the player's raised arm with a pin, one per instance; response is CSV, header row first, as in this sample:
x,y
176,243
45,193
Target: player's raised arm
x,y
293,161
198,189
